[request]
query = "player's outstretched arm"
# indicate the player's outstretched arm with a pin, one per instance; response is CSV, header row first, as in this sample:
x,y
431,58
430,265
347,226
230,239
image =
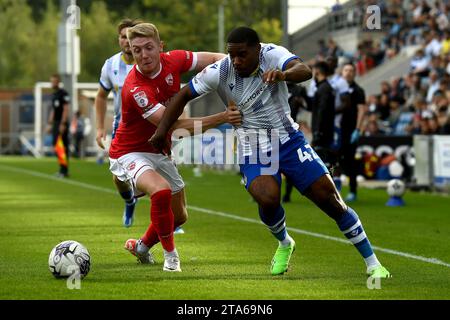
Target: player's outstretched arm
x,y
204,59
231,115
100,113
296,71
171,114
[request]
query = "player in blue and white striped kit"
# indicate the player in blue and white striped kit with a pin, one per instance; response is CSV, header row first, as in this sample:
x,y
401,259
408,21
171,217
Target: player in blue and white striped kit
x,y
254,76
112,77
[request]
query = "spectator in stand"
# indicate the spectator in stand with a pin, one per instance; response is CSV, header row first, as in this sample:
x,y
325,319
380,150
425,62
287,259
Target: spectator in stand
x,y
438,65
445,44
428,123
432,44
336,7
396,87
443,120
433,124
323,50
333,49
383,108
420,63
441,17
433,85
372,102
395,111
377,54
412,88
372,127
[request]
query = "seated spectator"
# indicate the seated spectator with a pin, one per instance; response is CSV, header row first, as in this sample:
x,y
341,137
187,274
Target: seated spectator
x,y
443,120
372,129
433,85
445,44
419,63
395,111
404,124
383,109
377,54
432,44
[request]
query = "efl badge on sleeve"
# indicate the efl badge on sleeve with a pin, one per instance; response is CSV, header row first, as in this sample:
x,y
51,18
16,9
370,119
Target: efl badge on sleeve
x,y
169,79
141,99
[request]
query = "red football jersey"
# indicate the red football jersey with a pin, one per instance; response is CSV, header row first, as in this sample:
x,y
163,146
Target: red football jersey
x,y
142,96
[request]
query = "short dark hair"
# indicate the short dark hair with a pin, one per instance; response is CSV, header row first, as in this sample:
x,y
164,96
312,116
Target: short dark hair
x,y
243,35
323,67
56,75
127,23
349,64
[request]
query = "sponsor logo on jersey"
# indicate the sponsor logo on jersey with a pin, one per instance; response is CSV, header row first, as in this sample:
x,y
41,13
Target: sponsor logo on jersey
x,y
134,89
231,85
169,79
255,95
141,99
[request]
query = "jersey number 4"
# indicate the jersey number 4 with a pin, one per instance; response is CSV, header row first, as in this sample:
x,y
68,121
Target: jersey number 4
x,y
307,154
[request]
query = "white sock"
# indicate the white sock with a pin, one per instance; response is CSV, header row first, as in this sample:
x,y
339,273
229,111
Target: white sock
x,y
287,241
372,262
173,253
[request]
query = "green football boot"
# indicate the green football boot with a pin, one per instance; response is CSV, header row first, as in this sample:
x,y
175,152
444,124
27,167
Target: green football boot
x,y
280,261
379,272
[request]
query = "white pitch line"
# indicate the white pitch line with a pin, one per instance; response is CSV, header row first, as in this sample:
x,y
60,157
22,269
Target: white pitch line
x,y
226,215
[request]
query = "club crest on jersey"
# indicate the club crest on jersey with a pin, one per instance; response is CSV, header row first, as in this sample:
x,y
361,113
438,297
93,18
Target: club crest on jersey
x,y
141,99
169,79
131,166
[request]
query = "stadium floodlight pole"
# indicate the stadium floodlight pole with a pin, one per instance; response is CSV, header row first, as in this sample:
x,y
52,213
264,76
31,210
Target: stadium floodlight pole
x,y
221,27
284,21
68,47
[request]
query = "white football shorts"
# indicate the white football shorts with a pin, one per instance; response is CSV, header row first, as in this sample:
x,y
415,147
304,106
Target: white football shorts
x,y
129,167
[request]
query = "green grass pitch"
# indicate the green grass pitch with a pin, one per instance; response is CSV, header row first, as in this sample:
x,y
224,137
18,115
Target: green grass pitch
x,y
225,253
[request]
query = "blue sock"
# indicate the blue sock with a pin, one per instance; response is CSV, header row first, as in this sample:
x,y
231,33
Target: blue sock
x,y
351,227
128,196
276,223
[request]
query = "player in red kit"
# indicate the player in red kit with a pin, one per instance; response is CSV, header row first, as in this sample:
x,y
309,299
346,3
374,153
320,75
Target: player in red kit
x,y
148,87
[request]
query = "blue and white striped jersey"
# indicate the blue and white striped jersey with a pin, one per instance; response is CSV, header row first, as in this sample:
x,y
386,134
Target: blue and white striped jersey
x,y
114,72
264,107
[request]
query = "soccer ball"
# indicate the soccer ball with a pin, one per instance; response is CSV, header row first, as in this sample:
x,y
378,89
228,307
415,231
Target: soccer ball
x,y
395,188
68,258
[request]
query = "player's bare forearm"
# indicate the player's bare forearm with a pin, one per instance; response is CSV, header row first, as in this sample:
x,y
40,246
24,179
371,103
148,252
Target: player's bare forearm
x,y
204,123
171,114
100,108
297,71
231,115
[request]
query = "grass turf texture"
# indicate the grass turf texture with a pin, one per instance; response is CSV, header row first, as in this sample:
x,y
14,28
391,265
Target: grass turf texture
x,y
221,258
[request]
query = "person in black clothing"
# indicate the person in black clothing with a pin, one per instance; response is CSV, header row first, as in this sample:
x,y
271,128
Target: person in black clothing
x,y
58,121
295,103
322,106
350,129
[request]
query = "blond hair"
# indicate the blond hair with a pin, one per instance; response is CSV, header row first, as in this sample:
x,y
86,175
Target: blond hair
x,y
146,30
